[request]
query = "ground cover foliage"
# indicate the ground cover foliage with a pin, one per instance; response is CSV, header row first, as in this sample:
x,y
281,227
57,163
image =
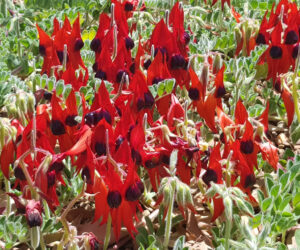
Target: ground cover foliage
x,y
149,124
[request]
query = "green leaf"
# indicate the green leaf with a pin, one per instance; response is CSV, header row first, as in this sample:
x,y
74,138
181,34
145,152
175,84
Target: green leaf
x,y
266,204
149,225
269,184
285,202
161,88
153,90
275,190
295,133
296,199
284,179
260,196
179,243
169,85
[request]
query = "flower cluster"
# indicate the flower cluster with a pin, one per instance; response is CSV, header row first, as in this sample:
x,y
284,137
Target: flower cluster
x,y
281,34
108,140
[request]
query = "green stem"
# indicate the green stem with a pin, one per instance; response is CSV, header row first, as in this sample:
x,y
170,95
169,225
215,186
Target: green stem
x,y
283,237
227,233
42,242
295,98
169,219
107,234
295,87
7,190
18,35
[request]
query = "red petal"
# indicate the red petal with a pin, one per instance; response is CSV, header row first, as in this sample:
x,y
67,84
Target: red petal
x,y
218,208
264,119
241,114
269,153
289,105
7,158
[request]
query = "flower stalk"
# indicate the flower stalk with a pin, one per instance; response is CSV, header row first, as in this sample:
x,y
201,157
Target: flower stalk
x,y
295,87
169,217
108,232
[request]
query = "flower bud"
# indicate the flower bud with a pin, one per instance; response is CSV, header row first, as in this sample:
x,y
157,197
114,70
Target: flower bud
x,y
30,103
180,194
238,35
204,74
248,33
217,64
167,194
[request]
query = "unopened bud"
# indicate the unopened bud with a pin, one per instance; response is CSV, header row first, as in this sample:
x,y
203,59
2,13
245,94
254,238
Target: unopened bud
x,y
260,130
238,35
204,74
30,103
180,195
167,194
248,33
22,103
217,64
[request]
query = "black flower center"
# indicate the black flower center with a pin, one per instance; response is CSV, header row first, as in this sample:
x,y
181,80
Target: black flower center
x,y
96,45
121,75
70,120
187,37
60,55
95,67
57,167
247,147
210,175
295,51
114,199
152,163
140,104
129,43
101,75
220,92
19,174
178,62
260,39
194,94
78,44
51,179
276,52
165,159
250,181
157,80
135,155
149,100
86,174
57,127
42,50
277,86
47,95
128,6
133,192
291,37
119,141
100,148
132,68
147,64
